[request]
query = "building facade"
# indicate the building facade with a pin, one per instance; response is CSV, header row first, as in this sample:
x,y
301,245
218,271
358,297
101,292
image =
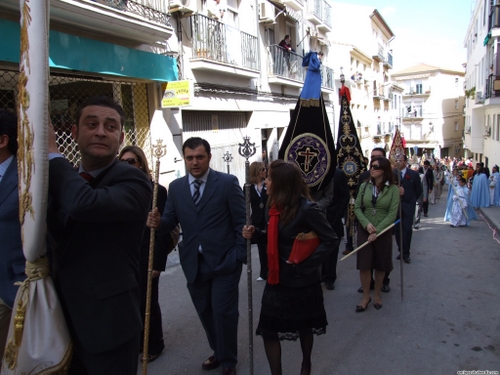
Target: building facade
x,y
433,102
482,84
360,42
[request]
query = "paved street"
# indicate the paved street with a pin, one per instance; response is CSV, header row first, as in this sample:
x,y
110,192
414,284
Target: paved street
x,y
448,320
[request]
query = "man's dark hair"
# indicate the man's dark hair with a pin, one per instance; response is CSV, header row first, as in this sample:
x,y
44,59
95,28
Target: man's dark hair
x,y
379,149
405,157
195,142
102,101
480,164
8,127
462,180
286,36
427,162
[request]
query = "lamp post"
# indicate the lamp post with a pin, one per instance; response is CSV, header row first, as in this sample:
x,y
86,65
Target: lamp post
x,y
227,157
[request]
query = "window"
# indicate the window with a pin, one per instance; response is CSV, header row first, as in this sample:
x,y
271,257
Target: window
x,y
456,82
456,126
418,88
456,103
498,128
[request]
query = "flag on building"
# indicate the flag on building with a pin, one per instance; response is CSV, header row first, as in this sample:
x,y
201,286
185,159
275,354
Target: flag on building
x,y
308,141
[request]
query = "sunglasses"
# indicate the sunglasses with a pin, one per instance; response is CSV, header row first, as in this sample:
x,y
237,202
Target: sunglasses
x,y
263,169
375,167
130,161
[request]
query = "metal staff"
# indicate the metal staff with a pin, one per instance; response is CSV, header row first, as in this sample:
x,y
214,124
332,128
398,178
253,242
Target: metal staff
x,y
159,151
367,242
398,160
247,150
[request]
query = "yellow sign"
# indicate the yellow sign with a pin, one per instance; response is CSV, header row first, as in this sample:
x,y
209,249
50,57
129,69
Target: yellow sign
x,y
176,94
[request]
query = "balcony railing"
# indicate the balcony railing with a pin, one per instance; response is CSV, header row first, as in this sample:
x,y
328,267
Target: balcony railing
x,y
315,8
327,14
327,77
388,61
494,19
285,64
216,41
152,10
492,87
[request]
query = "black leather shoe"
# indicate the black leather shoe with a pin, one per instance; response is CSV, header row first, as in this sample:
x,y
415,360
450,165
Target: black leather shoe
x,y
407,260
329,286
210,364
398,257
386,288
360,289
228,371
360,308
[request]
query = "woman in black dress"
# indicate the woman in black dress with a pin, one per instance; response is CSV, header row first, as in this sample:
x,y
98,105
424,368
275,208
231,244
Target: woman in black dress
x,y
292,303
258,202
135,157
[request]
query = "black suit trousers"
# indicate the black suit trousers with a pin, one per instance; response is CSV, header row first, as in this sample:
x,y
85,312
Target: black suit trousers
x,y
215,298
329,266
156,344
407,222
122,360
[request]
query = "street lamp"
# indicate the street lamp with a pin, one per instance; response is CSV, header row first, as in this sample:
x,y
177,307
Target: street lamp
x,y
227,157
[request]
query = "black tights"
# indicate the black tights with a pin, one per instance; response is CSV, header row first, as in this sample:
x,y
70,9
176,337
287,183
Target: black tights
x,y
273,352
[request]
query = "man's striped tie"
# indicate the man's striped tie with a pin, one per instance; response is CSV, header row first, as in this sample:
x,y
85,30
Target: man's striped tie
x,y
196,194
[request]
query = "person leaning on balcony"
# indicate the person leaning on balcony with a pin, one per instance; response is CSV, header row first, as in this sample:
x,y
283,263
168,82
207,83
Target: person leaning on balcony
x,y
216,10
285,43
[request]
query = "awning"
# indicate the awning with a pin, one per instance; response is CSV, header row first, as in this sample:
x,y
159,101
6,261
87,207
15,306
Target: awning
x,y
487,38
71,52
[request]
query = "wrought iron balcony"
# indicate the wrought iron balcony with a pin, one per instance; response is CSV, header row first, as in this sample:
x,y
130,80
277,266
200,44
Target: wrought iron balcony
x,y
285,64
492,87
213,40
152,10
494,19
388,61
141,21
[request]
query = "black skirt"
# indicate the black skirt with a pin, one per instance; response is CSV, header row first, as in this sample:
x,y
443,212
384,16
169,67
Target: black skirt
x,y
287,312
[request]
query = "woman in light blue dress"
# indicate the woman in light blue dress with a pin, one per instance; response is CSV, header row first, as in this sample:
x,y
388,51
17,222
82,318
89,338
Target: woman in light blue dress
x,y
480,193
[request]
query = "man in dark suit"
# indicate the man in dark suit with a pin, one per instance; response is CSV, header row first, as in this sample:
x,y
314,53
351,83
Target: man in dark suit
x,y
410,189
334,214
96,220
11,254
429,177
210,207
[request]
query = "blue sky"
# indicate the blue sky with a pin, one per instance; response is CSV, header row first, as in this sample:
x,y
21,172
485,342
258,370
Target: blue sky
x,y
427,31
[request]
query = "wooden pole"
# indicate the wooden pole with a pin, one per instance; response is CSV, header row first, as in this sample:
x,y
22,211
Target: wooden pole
x,y
159,151
367,242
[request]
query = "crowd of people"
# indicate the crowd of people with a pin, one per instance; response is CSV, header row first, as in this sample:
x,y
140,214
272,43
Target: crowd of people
x,y
100,220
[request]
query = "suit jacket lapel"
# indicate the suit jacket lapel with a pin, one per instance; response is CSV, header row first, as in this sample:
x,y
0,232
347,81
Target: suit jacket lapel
x,y
9,181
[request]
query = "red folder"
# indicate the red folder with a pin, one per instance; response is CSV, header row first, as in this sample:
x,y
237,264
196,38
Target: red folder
x,y
304,246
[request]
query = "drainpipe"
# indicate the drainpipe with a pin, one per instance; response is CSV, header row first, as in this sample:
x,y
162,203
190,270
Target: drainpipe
x,y
259,83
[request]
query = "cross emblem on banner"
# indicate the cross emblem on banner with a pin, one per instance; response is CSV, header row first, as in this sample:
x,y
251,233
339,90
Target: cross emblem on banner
x,y
308,155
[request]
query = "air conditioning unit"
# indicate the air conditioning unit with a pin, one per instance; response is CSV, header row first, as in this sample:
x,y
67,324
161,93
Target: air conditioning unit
x,y
467,130
267,12
183,6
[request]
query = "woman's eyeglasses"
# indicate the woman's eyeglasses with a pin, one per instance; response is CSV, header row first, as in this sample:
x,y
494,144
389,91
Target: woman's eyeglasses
x,y
129,161
375,167
263,169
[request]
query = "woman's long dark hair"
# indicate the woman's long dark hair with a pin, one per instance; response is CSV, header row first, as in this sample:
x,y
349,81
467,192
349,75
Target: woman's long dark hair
x,y
386,167
137,151
287,187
